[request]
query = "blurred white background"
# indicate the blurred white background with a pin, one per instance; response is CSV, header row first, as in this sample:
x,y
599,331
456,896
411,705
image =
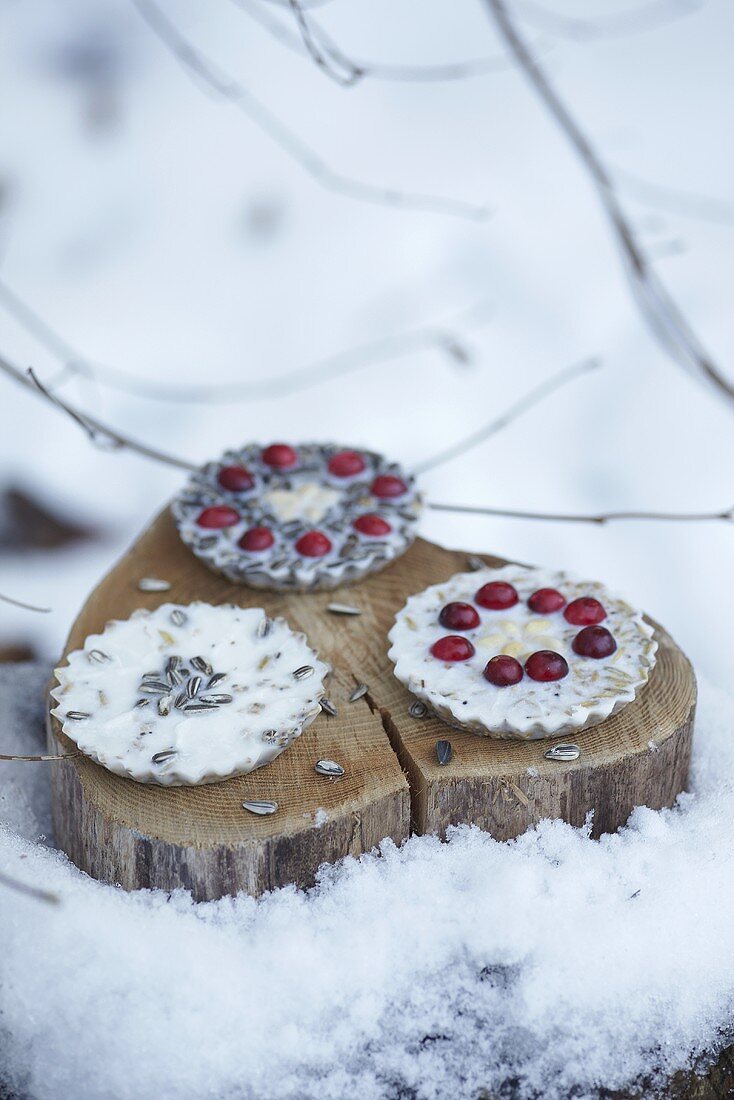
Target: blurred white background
x,y
160,232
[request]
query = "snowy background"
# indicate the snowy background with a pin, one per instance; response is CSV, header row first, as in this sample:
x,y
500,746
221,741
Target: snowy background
x,y
160,233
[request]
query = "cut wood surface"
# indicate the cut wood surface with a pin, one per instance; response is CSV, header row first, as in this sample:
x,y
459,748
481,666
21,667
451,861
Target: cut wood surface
x,y
201,838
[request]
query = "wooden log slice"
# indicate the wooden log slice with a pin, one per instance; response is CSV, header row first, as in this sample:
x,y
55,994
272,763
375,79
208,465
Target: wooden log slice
x,y
201,838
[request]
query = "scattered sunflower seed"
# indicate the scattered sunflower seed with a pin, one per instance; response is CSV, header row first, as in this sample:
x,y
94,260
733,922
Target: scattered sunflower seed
x,y
193,686
328,707
474,563
260,806
264,627
359,691
164,705
216,699
216,679
343,609
302,672
178,618
562,752
329,768
153,584
98,656
444,752
142,703
161,757
418,709
190,708
154,687
202,665
77,715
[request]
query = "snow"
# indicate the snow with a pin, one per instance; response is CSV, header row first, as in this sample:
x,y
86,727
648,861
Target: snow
x,y
430,971
168,237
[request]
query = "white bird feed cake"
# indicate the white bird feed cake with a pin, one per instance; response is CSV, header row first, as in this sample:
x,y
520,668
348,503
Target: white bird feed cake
x,y
523,653
310,517
187,695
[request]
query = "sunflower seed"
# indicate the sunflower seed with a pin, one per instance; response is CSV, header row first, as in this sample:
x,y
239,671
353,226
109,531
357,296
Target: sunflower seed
x,y
164,705
216,699
303,672
202,665
562,752
216,679
359,691
329,768
328,707
418,709
264,627
343,609
97,656
474,563
142,703
180,700
194,707
154,687
77,715
153,584
162,757
444,752
193,686
260,806
178,618
174,663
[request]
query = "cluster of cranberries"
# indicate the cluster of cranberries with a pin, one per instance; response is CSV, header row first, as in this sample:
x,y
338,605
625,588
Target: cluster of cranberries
x,y
312,544
544,665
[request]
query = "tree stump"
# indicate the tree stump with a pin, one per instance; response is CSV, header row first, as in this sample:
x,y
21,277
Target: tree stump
x,y
201,838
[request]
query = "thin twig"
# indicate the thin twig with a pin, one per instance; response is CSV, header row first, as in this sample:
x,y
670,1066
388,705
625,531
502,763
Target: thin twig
x,y
60,756
645,17
534,397
352,73
25,606
442,335
30,891
375,70
97,432
598,518
657,307
196,64
688,203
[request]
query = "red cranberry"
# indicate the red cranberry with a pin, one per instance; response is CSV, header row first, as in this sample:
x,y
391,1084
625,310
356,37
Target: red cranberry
x,y
452,648
546,665
459,616
372,525
594,641
219,515
235,478
503,670
585,611
546,600
314,544
280,456
497,595
346,464
387,485
256,539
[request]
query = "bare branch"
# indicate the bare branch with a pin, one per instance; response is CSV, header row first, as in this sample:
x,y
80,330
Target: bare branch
x,y
25,606
30,891
599,518
375,70
196,64
645,17
97,432
655,303
441,335
534,397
